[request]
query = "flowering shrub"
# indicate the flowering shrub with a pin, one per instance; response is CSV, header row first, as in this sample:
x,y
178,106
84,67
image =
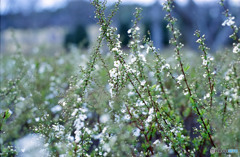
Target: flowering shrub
x,y
127,103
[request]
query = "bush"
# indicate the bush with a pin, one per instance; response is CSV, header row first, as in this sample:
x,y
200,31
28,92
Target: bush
x,y
136,103
78,37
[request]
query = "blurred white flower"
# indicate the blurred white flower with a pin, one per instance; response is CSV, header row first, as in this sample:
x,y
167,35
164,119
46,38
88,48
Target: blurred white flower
x,y
104,118
236,49
229,21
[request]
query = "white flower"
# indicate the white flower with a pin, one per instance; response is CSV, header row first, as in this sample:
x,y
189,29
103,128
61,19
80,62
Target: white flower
x,y
148,49
185,92
204,62
180,77
149,118
137,28
131,94
127,117
236,49
235,96
104,118
211,58
129,31
133,59
166,66
206,96
136,132
37,119
56,108
156,142
117,63
229,21
151,111
106,147
113,73
143,83
115,49
199,41
74,112
139,103
79,100
143,57
227,78
82,117
227,93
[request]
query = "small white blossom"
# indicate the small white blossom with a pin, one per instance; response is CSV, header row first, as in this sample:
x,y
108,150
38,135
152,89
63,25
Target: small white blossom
x,y
149,119
104,118
142,57
37,119
127,117
113,73
204,62
117,63
143,83
151,111
136,132
235,96
115,49
56,108
139,103
131,94
236,49
180,77
133,59
157,142
227,78
79,100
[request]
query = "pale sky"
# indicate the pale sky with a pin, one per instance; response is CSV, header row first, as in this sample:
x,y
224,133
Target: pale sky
x,y
51,4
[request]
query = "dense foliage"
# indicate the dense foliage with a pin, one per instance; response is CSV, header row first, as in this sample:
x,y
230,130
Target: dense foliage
x,y
136,102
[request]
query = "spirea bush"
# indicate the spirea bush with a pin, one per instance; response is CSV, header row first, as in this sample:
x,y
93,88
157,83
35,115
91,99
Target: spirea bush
x,y
136,102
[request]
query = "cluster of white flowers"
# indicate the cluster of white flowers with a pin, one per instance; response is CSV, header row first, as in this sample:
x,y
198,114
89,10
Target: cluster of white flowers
x,y
115,73
139,103
117,51
142,57
58,130
229,21
150,116
79,125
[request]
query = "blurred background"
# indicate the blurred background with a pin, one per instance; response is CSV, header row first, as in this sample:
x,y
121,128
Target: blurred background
x,y
56,25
